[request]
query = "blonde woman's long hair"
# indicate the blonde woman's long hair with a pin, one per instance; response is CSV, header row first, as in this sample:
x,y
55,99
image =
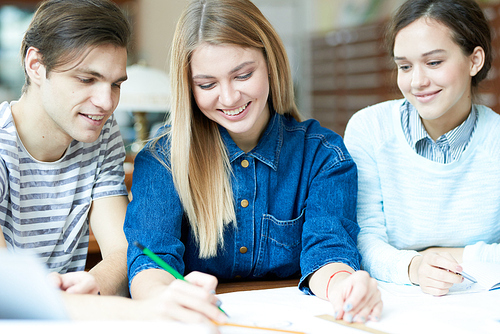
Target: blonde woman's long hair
x,y
198,157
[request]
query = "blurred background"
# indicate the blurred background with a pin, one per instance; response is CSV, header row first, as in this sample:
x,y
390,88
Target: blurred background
x,y
335,49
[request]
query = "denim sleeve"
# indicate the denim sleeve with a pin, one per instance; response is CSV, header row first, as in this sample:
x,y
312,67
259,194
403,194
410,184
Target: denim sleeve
x,y
154,216
330,229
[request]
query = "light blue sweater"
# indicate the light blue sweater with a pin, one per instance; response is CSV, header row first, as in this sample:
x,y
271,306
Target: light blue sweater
x,y
407,203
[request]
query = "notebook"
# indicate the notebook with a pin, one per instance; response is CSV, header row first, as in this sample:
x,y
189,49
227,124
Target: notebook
x,y
486,274
25,292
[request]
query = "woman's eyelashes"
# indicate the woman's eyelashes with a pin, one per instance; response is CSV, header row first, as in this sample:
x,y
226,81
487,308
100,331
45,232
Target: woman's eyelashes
x,y
206,86
404,68
434,63
242,77
245,76
431,64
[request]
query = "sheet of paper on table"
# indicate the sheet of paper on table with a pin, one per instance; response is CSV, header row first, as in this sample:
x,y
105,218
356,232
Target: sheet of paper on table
x,y
86,327
486,274
406,312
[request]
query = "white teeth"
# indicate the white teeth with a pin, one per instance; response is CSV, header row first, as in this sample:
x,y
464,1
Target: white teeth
x,y
234,112
95,118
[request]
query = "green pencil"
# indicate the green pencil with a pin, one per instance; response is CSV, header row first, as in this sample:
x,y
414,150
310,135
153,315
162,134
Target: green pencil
x,y
159,261
163,264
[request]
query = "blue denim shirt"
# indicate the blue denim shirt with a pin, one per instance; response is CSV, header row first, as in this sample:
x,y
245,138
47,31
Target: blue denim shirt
x,y
301,188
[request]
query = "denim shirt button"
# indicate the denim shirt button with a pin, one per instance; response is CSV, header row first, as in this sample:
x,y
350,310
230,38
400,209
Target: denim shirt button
x,y
245,163
243,250
244,203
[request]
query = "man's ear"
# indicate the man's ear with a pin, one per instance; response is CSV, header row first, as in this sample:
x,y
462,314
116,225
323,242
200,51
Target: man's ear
x,y
33,66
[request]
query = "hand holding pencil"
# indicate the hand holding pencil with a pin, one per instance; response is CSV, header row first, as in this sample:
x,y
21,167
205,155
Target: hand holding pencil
x,y
188,299
435,272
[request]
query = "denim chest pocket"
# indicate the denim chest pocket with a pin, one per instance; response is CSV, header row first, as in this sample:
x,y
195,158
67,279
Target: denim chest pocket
x,y
280,246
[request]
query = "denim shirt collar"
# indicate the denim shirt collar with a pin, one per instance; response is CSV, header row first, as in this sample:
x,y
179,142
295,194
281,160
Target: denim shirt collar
x,y
268,148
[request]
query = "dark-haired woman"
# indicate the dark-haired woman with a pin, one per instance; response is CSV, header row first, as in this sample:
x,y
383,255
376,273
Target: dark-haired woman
x,y
429,176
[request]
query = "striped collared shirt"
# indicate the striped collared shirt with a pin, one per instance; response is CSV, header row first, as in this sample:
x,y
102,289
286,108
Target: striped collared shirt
x,y
448,147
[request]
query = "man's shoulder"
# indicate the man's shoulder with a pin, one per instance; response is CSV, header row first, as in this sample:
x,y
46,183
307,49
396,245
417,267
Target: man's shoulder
x,y
110,129
8,135
110,132
108,146
5,107
6,120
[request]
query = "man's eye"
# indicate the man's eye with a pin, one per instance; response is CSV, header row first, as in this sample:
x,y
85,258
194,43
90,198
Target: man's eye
x,y
86,80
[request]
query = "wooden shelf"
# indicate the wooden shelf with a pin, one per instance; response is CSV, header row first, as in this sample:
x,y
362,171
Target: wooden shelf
x,y
351,70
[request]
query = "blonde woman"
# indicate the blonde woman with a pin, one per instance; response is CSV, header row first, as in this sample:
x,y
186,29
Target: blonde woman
x,y
236,185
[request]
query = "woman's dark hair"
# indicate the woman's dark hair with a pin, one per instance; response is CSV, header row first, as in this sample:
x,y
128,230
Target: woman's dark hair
x,y
464,18
62,30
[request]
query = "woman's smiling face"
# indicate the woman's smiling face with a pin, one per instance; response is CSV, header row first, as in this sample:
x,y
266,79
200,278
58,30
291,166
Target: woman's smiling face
x,y
434,74
231,87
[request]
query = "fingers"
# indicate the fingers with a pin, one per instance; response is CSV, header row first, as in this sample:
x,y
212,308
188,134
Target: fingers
x,y
78,283
376,311
438,272
55,278
364,297
208,282
338,300
187,302
442,260
358,298
85,287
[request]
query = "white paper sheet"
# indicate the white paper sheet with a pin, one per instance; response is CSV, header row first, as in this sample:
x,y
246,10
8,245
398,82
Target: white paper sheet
x,y
406,310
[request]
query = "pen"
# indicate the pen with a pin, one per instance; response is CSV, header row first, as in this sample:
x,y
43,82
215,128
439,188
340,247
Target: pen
x,y
469,277
163,264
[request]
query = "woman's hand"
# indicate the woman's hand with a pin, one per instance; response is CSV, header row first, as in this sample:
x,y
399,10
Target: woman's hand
x,y
80,282
435,272
355,297
192,302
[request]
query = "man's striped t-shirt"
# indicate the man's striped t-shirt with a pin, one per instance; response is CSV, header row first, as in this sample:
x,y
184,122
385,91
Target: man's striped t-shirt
x,y
44,205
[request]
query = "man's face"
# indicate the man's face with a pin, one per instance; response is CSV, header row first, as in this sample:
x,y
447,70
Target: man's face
x,y
80,96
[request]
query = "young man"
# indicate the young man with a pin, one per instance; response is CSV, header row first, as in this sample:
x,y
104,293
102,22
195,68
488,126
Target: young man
x,y
61,153
61,165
